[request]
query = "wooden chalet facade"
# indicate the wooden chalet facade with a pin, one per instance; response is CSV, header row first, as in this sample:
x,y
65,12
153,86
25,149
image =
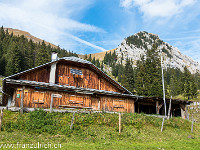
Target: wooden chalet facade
x,y
71,82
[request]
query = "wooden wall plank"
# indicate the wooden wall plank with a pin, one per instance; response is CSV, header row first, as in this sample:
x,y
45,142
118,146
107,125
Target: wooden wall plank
x,y
89,79
39,75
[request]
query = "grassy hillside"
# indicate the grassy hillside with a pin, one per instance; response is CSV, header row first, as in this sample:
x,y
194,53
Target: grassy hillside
x,y
98,131
28,36
99,56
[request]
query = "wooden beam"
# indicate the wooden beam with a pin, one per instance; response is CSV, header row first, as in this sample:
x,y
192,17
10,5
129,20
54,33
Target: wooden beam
x,y
119,123
157,111
77,107
169,108
133,107
182,111
192,123
72,122
99,104
162,124
22,100
158,107
149,104
182,106
1,118
99,83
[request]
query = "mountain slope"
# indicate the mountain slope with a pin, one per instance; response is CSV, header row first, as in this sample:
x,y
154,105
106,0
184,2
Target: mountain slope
x,y
17,32
99,56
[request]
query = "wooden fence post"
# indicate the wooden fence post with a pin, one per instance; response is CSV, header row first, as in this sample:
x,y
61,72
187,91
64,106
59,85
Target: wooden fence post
x,y
162,124
51,105
157,109
72,122
1,118
169,108
192,123
119,123
22,101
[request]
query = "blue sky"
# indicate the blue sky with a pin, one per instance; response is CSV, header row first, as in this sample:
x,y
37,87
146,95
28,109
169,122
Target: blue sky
x,y
90,26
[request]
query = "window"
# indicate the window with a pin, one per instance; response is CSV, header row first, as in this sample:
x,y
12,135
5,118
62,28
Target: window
x,y
76,71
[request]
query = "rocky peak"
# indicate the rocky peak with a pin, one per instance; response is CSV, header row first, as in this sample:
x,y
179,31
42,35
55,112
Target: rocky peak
x,y
136,46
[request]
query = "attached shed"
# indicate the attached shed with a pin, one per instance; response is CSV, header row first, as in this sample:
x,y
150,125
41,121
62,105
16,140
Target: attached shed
x,y
155,105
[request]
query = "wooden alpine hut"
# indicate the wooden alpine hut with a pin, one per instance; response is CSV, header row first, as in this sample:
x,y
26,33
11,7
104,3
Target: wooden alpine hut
x,y
71,82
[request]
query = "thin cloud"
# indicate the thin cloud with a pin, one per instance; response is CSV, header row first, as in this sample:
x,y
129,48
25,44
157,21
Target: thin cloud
x,y
47,19
182,38
70,36
191,31
158,8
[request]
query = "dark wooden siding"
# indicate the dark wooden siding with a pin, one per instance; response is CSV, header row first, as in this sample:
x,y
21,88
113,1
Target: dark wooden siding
x,y
34,98
39,75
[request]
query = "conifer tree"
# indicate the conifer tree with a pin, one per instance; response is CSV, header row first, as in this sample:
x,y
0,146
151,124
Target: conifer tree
x,y
93,60
85,57
172,84
186,80
120,72
31,54
105,60
127,79
140,77
14,64
90,58
97,63
115,70
148,75
43,56
193,88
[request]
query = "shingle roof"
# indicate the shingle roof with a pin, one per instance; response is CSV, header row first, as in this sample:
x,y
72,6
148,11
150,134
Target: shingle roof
x,y
76,59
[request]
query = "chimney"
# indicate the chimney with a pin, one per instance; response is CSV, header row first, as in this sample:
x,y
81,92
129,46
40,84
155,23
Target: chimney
x,y
54,56
52,76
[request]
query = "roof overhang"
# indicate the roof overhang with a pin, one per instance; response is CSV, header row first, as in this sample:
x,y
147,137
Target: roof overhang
x,y
154,99
50,86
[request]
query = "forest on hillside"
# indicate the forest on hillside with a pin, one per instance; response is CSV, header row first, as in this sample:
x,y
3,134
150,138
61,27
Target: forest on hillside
x,y
146,78
17,53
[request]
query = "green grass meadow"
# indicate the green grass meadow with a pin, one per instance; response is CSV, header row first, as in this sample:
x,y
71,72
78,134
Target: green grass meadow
x,y
98,131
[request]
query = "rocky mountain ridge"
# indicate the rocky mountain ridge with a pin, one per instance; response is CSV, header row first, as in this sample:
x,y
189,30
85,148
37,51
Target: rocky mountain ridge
x,y
136,46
